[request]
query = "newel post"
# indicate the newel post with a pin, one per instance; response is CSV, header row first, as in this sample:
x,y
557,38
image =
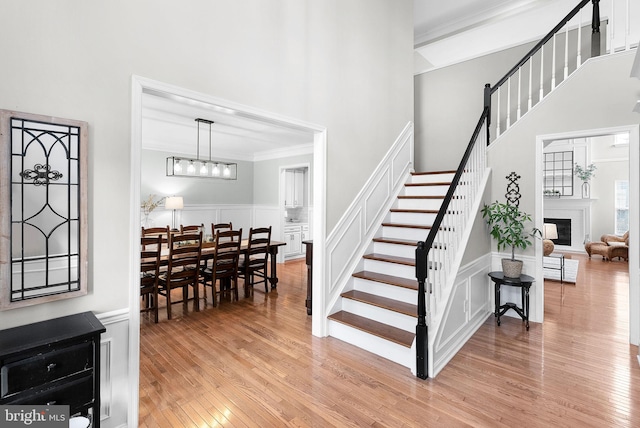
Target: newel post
x,y
487,105
422,360
595,29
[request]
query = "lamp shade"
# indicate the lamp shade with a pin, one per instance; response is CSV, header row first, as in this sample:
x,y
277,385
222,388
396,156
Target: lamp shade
x,y
550,231
174,203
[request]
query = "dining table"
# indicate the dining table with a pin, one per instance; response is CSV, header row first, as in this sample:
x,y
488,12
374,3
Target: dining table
x,y
208,250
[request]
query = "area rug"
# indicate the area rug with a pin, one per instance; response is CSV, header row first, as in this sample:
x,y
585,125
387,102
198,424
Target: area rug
x,y
552,269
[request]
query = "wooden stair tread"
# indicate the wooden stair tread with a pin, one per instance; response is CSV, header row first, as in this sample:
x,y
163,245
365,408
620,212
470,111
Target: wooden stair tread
x,y
398,281
384,331
420,197
382,302
391,259
433,172
400,210
409,242
409,226
436,183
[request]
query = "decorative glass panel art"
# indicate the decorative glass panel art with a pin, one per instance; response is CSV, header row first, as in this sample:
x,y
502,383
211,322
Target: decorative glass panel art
x,y
558,174
44,184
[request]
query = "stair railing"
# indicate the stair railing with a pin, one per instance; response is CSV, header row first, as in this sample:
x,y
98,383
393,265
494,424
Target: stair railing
x,y
433,267
540,83
445,236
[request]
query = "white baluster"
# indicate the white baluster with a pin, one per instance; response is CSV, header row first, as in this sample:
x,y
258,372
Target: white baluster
x,y
541,74
498,113
530,83
519,90
553,64
579,54
566,51
508,125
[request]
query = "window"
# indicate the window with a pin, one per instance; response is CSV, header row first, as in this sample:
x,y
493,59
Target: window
x,y
622,206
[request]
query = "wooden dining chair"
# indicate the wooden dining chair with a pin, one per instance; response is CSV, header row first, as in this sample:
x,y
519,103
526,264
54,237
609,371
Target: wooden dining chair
x,y
254,263
220,227
223,266
150,248
162,232
192,228
183,267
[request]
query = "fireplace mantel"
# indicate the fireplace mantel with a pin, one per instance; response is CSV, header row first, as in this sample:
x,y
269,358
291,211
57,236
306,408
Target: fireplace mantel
x,y
578,210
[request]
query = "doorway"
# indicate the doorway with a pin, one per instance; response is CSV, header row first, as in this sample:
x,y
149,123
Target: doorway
x,y
632,162
142,86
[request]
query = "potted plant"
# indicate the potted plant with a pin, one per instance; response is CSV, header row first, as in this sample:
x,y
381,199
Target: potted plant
x,y
585,174
507,224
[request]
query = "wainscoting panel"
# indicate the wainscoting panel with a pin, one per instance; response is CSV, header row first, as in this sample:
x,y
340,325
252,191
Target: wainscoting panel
x,y
467,309
114,369
347,242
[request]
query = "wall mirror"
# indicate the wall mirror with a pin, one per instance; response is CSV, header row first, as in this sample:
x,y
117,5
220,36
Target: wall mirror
x,y
43,209
558,174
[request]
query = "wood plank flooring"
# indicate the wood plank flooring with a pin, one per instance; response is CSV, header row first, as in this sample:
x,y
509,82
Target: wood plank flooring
x,y
254,363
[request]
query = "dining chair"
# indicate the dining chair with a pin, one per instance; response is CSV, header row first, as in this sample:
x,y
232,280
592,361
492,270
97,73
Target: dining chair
x,y
223,265
182,269
192,228
162,232
254,263
220,227
149,273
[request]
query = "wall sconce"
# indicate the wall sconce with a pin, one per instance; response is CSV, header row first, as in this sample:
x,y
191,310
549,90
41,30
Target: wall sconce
x,y
201,168
173,203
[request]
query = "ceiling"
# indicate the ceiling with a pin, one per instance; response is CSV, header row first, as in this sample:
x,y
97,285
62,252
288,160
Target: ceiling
x,y
445,33
169,124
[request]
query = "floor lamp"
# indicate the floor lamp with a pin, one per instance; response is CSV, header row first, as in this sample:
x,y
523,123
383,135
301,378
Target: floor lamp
x,y
173,203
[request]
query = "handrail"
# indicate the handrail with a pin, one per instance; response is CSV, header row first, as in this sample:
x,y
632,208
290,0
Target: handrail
x,y
423,248
545,39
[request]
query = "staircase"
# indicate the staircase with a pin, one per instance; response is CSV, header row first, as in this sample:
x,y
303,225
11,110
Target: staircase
x,y
377,311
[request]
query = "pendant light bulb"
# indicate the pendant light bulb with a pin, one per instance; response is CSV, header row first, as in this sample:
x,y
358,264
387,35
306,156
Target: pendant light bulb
x,y
227,171
191,169
215,171
177,166
204,170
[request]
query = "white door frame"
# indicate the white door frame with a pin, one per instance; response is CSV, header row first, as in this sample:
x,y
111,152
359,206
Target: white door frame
x,y
281,193
139,85
634,214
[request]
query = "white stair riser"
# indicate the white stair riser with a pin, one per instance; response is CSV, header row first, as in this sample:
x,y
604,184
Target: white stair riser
x,y
419,204
412,218
393,269
389,350
401,294
394,249
432,178
395,319
425,190
405,233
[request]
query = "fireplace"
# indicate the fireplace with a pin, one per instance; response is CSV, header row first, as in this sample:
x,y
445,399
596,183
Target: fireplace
x,y
564,230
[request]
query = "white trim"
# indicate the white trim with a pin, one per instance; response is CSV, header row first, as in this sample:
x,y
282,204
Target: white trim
x,y
634,214
138,86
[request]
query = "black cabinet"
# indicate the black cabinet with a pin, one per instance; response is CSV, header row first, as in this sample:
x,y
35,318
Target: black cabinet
x,y
53,362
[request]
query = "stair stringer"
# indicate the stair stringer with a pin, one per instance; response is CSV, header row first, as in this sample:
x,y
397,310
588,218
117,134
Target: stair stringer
x,y
440,307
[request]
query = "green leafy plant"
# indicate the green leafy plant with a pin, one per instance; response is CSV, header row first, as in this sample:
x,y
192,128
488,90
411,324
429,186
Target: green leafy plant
x,y
584,174
507,224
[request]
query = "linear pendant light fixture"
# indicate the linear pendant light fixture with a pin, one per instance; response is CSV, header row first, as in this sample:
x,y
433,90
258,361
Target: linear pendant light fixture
x,y
201,168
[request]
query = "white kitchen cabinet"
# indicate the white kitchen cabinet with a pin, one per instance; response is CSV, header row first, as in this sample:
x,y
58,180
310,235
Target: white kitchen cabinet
x,y
294,188
293,238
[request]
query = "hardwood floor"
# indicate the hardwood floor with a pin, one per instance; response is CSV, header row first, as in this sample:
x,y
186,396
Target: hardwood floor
x,y
254,363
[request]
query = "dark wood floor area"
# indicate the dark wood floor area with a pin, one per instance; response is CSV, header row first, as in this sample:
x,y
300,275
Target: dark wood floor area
x,y
254,363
